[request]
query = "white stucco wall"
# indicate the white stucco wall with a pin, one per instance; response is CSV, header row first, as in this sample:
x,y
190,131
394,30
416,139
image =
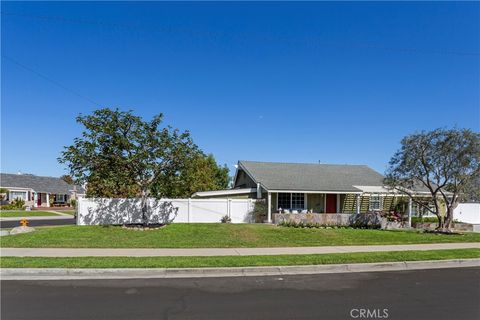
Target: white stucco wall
x,y
101,211
467,212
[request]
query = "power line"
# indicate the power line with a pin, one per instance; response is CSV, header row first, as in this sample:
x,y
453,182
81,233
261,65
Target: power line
x,y
310,41
58,84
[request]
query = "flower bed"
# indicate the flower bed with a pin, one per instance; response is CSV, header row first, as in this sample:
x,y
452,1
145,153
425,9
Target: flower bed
x,y
318,220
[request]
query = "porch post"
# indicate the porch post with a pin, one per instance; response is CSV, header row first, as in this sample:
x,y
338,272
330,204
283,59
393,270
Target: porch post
x,y
269,210
410,212
35,199
358,203
337,205
48,199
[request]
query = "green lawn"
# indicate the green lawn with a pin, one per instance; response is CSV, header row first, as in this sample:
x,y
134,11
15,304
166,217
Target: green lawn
x,y
9,214
218,235
234,261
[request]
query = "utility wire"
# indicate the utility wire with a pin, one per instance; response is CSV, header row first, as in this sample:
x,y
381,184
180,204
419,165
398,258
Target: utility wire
x,y
309,41
58,84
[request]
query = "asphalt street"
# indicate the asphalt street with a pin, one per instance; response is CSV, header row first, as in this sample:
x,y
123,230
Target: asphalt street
x,y
422,294
38,223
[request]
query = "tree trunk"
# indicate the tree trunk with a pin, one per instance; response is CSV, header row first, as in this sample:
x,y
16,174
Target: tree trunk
x,y
441,222
144,206
448,219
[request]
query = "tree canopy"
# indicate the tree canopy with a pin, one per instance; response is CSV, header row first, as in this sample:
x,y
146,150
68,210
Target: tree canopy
x,y
200,173
67,178
446,162
119,155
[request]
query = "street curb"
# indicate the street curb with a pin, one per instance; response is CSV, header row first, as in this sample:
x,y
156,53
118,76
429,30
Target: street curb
x,y
159,273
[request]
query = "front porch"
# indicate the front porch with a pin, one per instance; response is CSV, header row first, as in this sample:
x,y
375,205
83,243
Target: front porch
x,y
45,200
295,202
339,203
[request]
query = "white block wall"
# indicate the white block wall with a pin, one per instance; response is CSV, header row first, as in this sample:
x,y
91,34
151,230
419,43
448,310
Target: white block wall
x,y
467,212
102,211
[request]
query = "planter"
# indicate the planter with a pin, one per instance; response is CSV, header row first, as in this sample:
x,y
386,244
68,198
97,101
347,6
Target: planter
x,y
457,226
328,219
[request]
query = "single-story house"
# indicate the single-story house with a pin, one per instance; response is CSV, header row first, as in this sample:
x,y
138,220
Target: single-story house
x,y
38,191
318,188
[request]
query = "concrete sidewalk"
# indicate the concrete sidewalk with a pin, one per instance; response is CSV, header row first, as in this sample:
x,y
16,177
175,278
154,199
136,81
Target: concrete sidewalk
x,y
166,252
60,213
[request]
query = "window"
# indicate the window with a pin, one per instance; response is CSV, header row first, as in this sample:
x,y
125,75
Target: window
x,y
17,194
59,198
298,201
375,202
291,200
284,200
419,210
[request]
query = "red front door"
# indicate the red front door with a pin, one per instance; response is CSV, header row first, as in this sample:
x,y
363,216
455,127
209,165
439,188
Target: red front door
x,y
331,203
39,199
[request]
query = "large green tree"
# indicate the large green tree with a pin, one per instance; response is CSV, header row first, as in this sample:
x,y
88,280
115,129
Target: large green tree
x,y
200,173
446,162
121,155
67,178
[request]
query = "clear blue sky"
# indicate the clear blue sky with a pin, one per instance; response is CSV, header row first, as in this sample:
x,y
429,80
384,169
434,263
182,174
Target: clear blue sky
x,y
293,82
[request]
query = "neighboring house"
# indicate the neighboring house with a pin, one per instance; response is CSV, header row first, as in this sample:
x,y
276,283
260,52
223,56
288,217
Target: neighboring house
x,y
319,188
38,191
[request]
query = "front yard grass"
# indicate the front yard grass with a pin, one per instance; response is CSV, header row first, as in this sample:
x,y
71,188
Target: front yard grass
x,y
218,235
26,214
235,261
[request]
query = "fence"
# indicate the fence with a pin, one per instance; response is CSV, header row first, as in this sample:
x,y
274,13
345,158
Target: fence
x,y
467,212
104,211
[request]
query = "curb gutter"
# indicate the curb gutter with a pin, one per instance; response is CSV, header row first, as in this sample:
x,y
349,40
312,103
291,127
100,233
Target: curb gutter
x,y
152,273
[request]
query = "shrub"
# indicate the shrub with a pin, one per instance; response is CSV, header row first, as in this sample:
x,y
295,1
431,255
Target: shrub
x,y
18,203
3,193
362,221
301,224
8,207
259,212
73,203
226,219
392,216
369,220
424,219
15,204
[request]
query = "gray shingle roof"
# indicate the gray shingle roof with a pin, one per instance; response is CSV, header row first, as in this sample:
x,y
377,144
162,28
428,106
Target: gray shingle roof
x,y
37,183
311,177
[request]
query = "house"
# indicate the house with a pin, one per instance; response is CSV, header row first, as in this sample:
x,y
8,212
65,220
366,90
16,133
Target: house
x,y
317,188
38,191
